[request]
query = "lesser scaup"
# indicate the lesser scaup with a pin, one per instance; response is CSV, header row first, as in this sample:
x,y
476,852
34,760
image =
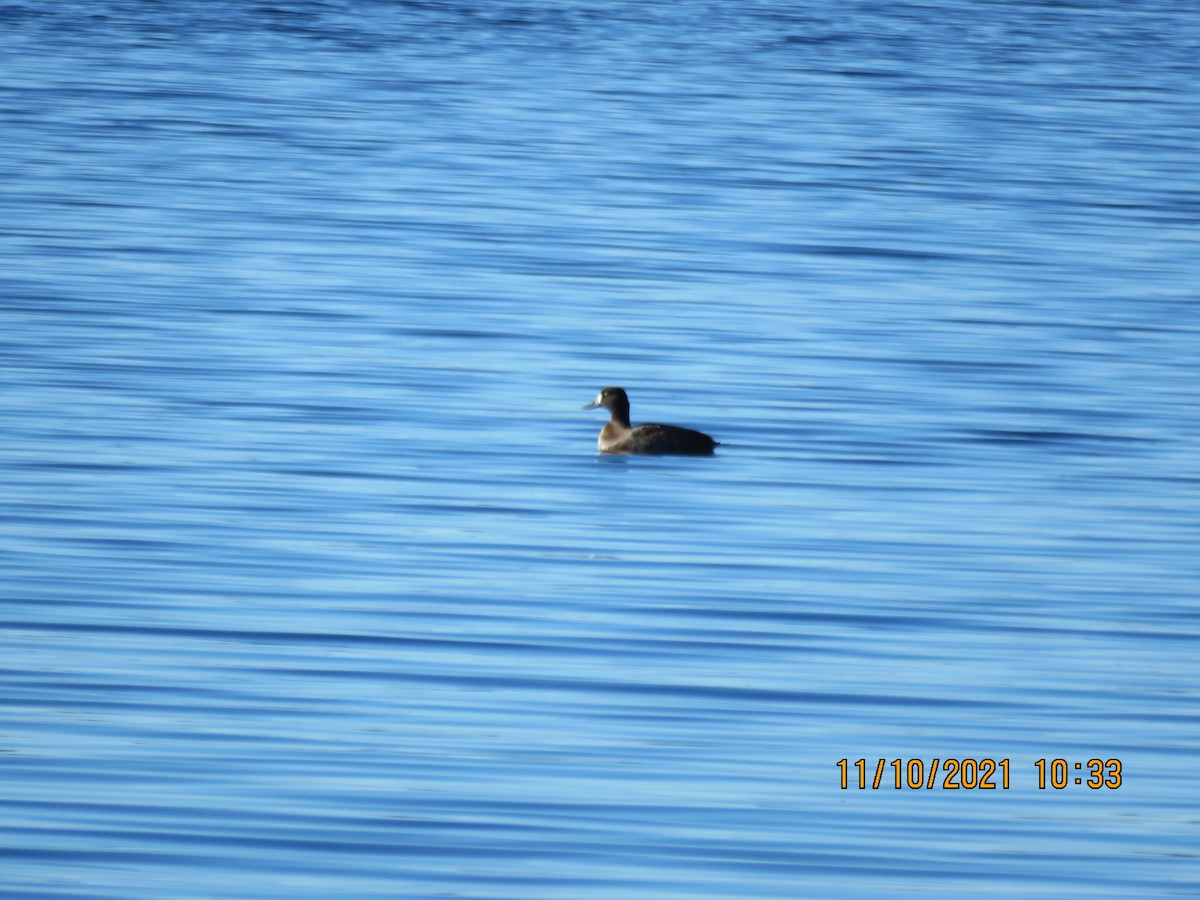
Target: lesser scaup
x,y
618,436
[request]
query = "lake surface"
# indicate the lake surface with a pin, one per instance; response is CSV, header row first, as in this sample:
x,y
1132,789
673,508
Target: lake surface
x,y
313,584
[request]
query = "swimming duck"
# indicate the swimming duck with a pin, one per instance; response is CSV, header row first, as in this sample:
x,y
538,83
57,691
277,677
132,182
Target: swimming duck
x,y
618,436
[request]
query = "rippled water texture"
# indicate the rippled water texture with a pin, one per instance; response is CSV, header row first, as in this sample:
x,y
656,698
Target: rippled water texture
x,y
314,585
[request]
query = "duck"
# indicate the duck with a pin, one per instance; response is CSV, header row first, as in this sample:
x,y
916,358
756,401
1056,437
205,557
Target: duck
x,y
618,436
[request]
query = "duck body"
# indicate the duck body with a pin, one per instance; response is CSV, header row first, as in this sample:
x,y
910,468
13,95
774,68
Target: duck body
x,y
619,436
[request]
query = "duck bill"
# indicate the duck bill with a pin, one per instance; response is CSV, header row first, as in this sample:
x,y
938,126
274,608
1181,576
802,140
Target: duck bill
x,y
593,405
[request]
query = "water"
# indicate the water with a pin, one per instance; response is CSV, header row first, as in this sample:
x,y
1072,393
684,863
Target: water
x,y
313,582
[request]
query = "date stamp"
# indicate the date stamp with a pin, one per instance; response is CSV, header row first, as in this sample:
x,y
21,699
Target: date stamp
x,y
985,774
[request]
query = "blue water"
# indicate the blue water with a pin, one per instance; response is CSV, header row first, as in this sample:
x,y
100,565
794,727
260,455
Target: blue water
x,y
312,583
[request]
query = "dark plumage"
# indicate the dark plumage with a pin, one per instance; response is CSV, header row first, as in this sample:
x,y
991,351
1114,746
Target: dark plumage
x,y
618,436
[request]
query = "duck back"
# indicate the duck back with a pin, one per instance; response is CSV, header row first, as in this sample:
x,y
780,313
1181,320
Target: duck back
x,y
651,438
